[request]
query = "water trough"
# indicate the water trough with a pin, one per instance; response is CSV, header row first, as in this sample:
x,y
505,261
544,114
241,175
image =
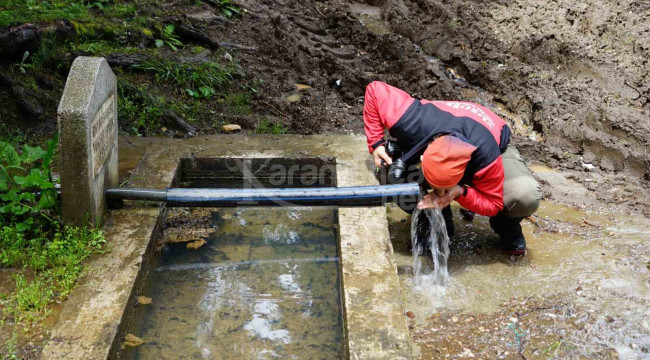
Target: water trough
x,y
100,311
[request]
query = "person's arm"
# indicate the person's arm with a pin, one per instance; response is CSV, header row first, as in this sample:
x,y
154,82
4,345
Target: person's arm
x,y
485,196
372,123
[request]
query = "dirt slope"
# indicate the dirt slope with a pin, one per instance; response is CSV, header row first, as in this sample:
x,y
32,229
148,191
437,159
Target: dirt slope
x,y
571,77
575,72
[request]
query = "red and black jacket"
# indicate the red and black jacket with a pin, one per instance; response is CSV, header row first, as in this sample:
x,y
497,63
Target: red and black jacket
x,y
410,121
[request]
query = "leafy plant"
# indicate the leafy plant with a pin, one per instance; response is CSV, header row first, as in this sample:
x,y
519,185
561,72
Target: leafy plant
x,y
255,87
32,237
27,193
197,80
11,353
228,9
11,135
167,37
22,66
99,4
239,102
141,114
206,92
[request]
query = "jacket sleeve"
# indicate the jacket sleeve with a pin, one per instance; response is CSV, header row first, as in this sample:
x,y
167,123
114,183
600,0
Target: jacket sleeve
x,y
485,196
372,122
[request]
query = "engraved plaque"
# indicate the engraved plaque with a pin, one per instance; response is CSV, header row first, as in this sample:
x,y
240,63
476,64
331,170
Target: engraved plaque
x,y
103,129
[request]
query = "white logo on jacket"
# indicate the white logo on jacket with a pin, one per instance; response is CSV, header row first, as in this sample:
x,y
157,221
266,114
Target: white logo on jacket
x,y
473,109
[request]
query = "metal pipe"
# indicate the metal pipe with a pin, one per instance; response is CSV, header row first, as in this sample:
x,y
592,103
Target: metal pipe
x,y
318,196
136,194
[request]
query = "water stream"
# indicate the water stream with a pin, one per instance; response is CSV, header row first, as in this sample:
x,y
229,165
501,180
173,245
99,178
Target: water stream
x,y
429,234
582,291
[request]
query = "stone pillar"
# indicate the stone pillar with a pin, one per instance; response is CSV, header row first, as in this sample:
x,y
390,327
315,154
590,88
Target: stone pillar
x,y
87,120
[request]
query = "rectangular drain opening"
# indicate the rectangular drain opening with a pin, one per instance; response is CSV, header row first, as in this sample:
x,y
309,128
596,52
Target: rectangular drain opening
x,y
240,172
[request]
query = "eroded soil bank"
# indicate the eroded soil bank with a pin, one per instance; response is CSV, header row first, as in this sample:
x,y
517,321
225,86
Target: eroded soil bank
x,y
571,77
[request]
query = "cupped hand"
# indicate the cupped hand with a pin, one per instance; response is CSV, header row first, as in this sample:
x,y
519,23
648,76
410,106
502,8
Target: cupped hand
x,y
432,200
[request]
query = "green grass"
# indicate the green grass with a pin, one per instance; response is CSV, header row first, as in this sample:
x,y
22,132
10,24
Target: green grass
x,y
265,126
103,47
56,263
141,115
16,12
239,103
10,353
197,80
22,11
45,255
11,135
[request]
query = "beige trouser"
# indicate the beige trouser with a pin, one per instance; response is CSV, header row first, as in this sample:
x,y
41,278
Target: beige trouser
x,y
521,192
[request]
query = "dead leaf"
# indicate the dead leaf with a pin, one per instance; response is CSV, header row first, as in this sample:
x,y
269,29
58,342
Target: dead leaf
x,y
230,128
132,341
195,244
143,300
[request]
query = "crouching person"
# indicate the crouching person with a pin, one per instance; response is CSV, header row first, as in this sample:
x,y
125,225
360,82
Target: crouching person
x,y
465,154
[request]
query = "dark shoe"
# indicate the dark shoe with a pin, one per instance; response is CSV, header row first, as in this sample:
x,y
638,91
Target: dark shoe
x,y
516,246
510,233
467,215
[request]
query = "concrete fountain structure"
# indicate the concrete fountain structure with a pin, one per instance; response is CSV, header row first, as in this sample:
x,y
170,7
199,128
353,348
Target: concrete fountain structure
x,y
89,326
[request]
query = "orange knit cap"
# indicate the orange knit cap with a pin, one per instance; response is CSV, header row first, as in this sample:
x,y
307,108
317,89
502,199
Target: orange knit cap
x,y
444,161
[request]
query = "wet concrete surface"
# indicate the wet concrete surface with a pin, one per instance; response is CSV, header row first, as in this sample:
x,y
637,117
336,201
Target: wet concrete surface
x,y
370,284
581,292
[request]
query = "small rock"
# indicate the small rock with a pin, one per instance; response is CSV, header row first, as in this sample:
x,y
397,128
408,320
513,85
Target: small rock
x,y
588,166
514,320
201,17
481,329
195,244
454,319
143,300
293,98
231,128
467,353
227,56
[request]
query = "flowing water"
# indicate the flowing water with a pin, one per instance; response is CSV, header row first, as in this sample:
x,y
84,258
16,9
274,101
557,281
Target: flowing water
x,y
429,234
582,292
265,285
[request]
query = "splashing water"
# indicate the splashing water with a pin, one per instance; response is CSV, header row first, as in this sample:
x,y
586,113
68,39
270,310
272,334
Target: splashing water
x,y
428,232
